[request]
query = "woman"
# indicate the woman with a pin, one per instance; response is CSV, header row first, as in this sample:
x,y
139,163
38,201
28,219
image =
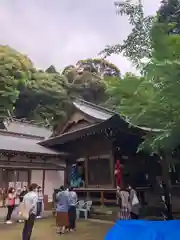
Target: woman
x,y
30,206
72,209
21,195
135,204
62,206
123,197
10,204
40,202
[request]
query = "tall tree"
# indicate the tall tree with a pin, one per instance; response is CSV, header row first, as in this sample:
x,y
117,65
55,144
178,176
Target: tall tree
x,y
43,98
169,12
86,79
99,66
14,71
137,46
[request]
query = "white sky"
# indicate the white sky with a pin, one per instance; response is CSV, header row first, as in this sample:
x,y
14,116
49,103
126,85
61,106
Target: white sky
x,y
61,32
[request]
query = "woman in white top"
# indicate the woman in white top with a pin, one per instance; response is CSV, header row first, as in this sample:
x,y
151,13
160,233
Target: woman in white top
x,y
123,197
135,204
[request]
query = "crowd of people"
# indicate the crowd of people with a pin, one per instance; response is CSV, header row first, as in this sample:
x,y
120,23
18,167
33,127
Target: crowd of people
x,y
15,198
30,206
28,203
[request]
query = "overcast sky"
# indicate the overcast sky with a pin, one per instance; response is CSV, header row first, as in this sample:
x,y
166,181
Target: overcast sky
x,y
61,32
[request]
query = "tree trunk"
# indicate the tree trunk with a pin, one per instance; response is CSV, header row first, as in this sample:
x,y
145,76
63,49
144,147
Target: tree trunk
x,y
166,188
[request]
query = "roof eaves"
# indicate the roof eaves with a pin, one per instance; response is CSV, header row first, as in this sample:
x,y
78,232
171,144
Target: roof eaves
x,y
95,106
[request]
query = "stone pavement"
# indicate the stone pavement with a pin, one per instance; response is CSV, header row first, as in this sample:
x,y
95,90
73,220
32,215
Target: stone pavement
x,y
15,217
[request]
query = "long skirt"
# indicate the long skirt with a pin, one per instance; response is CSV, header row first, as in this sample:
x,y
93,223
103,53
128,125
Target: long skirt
x,y
124,213
62,219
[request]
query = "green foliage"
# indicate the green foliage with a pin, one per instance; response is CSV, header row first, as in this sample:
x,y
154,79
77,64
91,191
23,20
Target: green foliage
x,y
169,12
101,66
86,79
137,46
153,100
14,71
44,98
44,95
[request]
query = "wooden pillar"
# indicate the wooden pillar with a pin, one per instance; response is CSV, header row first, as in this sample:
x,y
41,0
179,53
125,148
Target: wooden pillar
x,y
102,198
112,162
43,180
29,177
86,159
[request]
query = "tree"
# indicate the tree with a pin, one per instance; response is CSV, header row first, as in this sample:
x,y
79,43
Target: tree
x,y
152,100
85,79
169,12
137,46
43,98
129,96
14,71
99,66
51,69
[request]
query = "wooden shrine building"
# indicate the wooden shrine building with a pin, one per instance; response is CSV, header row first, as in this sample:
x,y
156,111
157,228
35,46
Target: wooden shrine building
x,y
96,138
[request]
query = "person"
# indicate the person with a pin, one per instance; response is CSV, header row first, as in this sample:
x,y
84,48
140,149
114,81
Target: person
x,y
62,206
10,204
72,209
123,200
40,202
30,202
21,195
135,204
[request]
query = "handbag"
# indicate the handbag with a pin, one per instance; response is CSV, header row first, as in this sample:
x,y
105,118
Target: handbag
x,y
135,200
24,211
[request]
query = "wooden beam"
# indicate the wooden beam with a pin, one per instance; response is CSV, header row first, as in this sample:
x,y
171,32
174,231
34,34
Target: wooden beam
x,y
86,170
28,166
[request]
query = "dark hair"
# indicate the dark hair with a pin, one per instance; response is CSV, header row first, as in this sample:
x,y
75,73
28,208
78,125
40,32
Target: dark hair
x,y
32,187
71,189
10,190
61,188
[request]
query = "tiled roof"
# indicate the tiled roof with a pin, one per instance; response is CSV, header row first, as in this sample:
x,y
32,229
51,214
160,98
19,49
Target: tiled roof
x,y
22,144
27,128
93,110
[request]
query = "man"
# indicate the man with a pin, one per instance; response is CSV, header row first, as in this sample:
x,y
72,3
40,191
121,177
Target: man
x,y
72,209
30,206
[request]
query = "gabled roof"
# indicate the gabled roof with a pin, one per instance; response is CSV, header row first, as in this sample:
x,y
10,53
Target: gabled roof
x,y
107,118
95,111
11,142
104,114
18,126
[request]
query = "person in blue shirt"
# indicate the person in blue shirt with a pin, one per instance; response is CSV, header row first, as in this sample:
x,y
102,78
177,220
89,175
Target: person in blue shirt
x,y
72,209
62,206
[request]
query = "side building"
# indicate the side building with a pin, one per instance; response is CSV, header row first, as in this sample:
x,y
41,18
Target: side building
x,y
23,160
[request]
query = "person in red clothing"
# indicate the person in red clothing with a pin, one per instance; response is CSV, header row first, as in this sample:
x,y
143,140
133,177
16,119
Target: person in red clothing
x,y
10,204
118,173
